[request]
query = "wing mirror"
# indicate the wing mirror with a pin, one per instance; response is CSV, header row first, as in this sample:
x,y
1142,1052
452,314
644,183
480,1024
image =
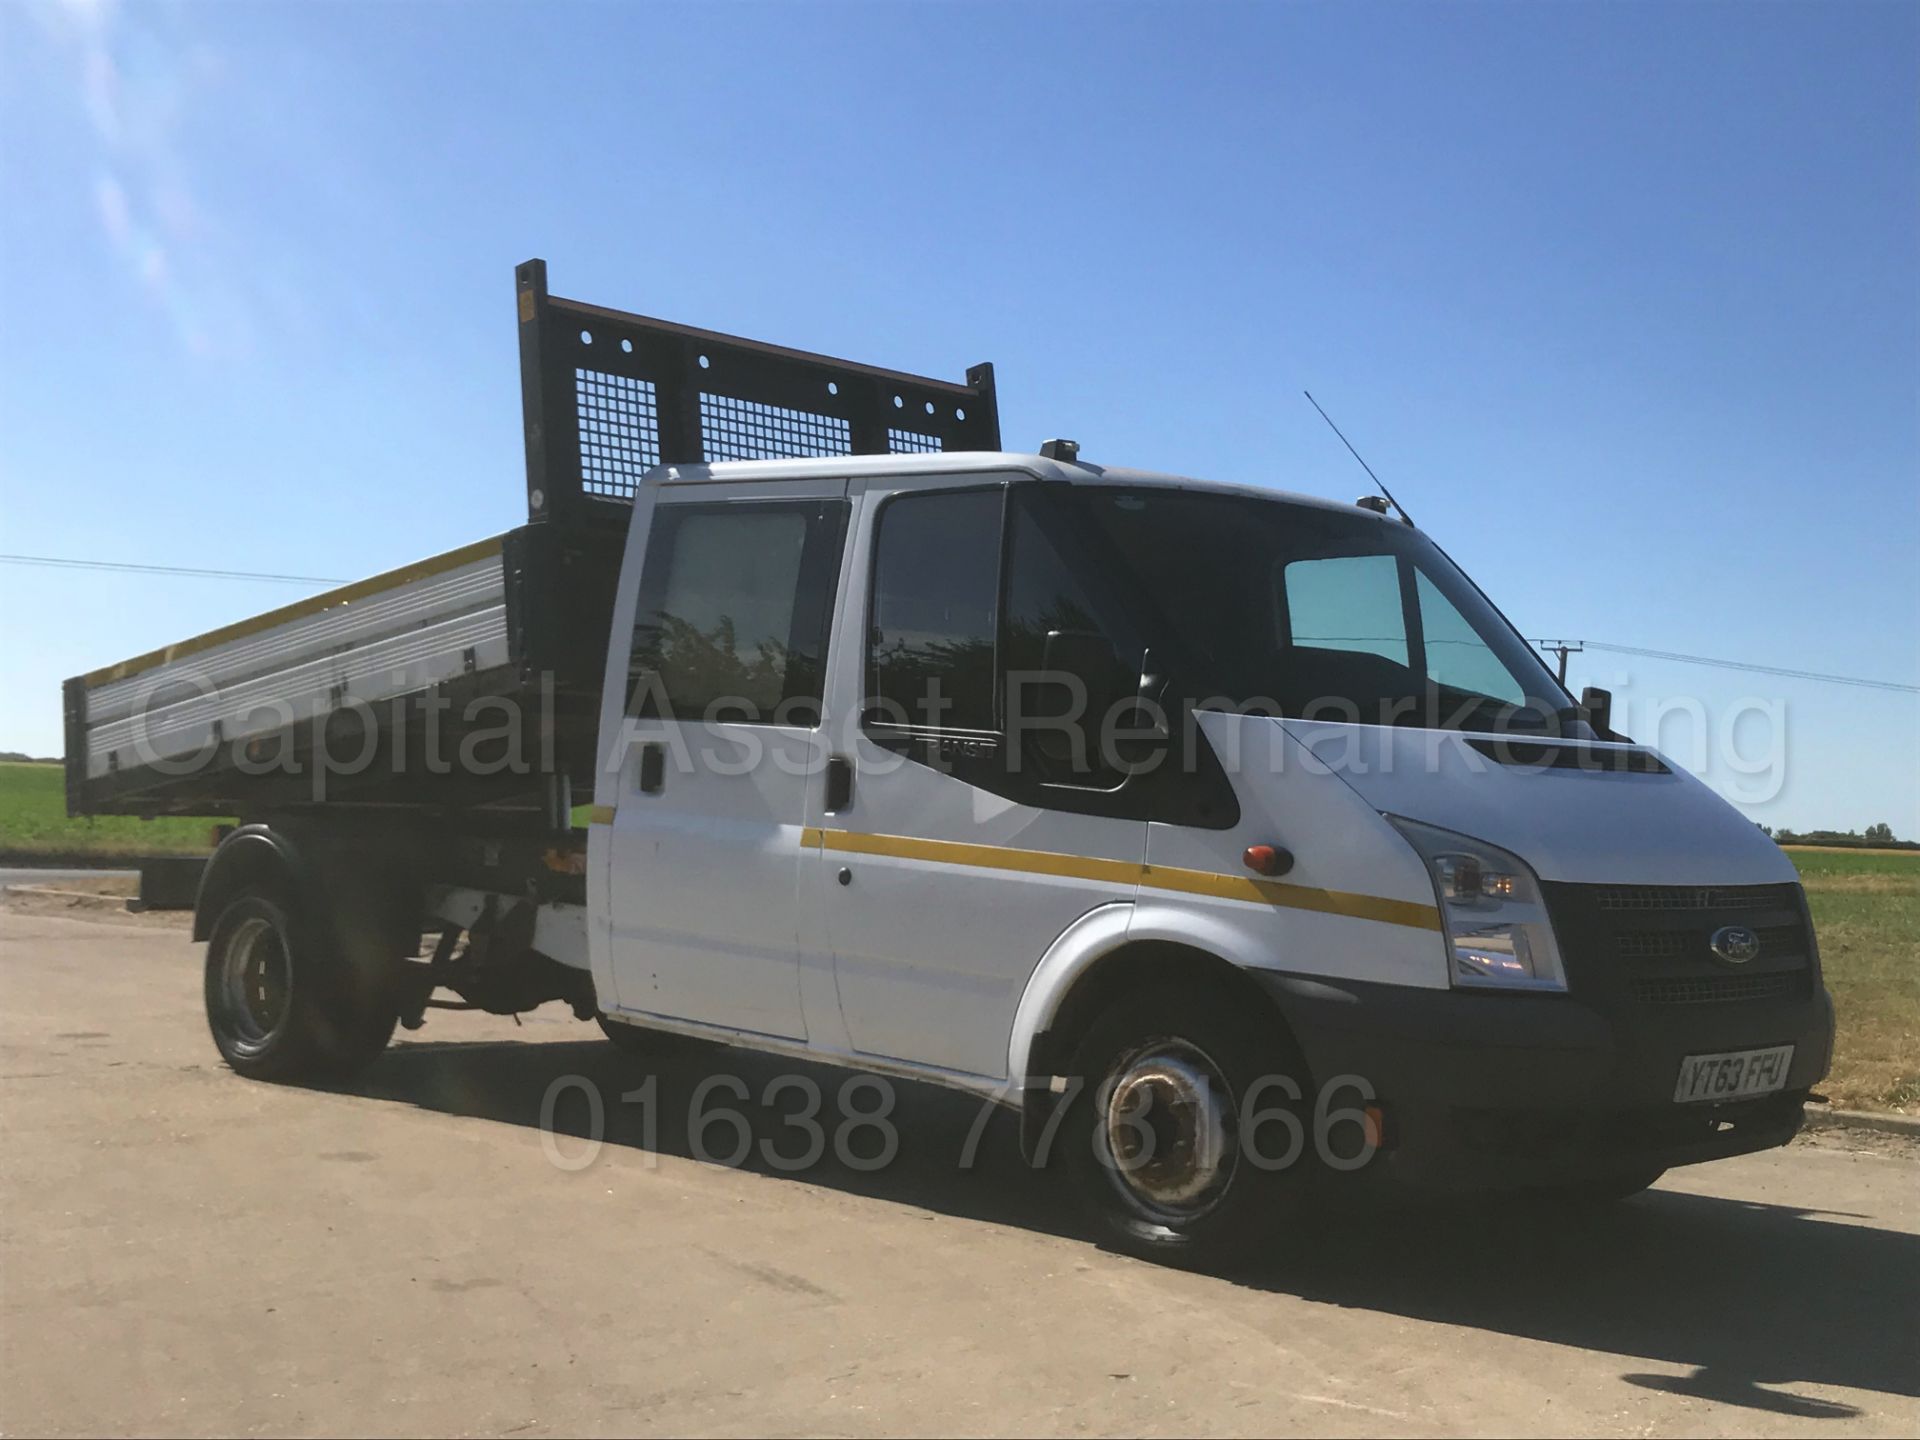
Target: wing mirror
x,y
1596,708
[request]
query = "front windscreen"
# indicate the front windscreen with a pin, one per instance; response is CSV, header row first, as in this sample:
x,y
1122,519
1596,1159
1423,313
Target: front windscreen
x,y
1268,605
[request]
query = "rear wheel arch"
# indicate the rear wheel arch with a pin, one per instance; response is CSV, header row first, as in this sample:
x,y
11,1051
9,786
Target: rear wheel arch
x,y
356,885
254,857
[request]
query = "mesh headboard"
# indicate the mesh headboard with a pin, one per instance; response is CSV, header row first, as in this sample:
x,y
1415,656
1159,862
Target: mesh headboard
x,y
607,395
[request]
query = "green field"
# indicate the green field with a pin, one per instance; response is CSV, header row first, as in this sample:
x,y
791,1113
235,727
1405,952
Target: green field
x,y
1866,910
34,823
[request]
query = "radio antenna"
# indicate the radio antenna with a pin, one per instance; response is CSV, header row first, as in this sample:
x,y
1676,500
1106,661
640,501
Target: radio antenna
x,y
1356,455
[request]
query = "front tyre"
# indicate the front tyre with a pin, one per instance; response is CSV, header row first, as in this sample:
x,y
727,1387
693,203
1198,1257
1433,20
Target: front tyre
x,y
1154,1138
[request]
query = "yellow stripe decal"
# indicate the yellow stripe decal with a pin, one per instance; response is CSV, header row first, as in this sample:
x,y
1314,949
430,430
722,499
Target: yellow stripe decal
x,y
1293,897
1156,877
341,595
989,857
600,815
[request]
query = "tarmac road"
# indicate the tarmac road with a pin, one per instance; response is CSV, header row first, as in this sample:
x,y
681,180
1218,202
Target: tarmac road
x,y
36,875
182,1251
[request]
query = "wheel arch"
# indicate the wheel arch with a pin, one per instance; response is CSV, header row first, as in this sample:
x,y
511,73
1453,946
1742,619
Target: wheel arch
x,y
355,885
1093,962
254,856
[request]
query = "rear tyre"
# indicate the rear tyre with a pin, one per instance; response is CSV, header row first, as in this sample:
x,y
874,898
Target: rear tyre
x,y
288,1001
1153,1136
363,974
263,1018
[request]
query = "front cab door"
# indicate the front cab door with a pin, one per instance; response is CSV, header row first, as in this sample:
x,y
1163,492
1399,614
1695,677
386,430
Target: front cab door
x,y
965,842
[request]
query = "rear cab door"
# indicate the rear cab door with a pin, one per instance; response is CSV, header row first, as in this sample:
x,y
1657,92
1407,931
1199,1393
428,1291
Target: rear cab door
x,y
721,745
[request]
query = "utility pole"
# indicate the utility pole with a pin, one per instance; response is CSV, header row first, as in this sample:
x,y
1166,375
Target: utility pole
x,y
1562,649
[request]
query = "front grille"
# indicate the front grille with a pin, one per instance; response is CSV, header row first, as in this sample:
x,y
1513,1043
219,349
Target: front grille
x,y
1717,989
1652,945
1696,943
1695,897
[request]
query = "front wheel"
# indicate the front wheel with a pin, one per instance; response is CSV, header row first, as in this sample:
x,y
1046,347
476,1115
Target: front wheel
x,y
1155,1131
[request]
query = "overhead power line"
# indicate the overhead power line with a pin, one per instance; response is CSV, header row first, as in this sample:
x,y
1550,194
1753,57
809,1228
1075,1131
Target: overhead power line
x,y
124,567
1571,646
1855,680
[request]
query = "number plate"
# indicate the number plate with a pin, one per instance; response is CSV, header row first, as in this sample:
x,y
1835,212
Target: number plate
x,y
1733,1076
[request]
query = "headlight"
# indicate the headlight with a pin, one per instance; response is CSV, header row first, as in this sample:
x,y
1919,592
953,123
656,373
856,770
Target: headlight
x,y
1496,922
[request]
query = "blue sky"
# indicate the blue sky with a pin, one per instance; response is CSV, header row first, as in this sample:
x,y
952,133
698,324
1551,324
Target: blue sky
x,y
1620,299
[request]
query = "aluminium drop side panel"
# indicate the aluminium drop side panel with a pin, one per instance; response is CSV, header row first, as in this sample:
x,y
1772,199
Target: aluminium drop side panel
x,y
155,731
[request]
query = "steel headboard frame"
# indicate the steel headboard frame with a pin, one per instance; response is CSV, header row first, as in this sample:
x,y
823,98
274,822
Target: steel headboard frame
x,y
607,395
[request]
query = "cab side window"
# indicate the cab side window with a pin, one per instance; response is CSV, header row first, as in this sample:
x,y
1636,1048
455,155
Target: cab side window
x,y
936,611
1347,652
1457,657
1348,603
1067,671
732,619
1003,675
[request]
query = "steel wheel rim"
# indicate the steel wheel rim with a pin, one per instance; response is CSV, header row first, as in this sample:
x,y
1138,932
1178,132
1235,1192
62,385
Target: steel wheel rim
x,y
256,983
1169,1144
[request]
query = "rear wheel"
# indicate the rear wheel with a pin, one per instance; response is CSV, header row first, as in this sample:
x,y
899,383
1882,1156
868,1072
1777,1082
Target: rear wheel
x,y
1154,1138
286,1000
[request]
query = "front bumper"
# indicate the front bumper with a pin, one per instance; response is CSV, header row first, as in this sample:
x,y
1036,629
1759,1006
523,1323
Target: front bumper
x,y
1491,1090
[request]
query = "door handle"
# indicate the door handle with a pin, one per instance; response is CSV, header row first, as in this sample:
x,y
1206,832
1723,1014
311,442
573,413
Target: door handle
x,y
839,784
653,769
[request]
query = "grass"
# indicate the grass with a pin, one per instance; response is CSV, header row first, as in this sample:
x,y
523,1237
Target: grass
x,y
34,822
1866,911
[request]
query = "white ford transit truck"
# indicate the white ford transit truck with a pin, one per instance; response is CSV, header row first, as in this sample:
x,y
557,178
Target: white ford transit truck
x,y
1231,837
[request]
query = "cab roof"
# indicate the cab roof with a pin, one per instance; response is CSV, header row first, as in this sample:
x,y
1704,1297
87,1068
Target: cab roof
x,y
963,462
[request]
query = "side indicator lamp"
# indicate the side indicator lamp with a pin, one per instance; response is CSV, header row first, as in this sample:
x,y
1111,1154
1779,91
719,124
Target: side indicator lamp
x,y
1375,1125
1268,860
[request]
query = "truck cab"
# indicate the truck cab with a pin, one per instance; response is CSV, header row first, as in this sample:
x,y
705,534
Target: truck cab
x,y
1001,771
